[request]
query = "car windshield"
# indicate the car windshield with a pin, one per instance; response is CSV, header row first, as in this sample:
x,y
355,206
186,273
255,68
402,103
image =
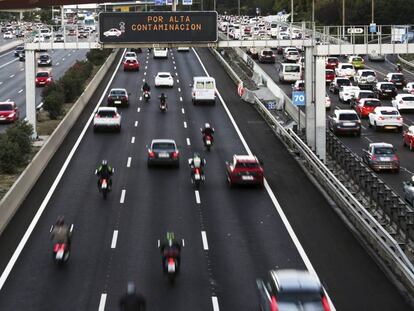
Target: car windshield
x,y
387,86
329,72
372,103
408,98
332,60
357,59
163,75
117,93
348,117
268,53
291,68
247,164
42,74
367,73
163,146
347,67
44,57
397,77
6,107
343,82
301,298
366,95
130,60
383,150
106,114
389,112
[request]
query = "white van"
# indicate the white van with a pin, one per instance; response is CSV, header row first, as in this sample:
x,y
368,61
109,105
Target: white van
x,y
290,72
204,90
160,53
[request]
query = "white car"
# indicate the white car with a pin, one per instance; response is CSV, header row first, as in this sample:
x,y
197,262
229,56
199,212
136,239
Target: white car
x,y
130,55
386,118
347,92
8,35
38,38
366,78
409,87
345,70
403,102
292,56
107,118
183,49
328,102
160,53
164,79
113,32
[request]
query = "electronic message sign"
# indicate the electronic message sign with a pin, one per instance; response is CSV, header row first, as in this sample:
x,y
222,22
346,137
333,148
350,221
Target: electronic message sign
x,y
158,27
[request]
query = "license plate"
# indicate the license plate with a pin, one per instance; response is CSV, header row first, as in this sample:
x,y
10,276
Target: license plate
x,y
117,102
208,142
42,82
2,118
163,155
388,91
348,123
197,176
247,177
385,159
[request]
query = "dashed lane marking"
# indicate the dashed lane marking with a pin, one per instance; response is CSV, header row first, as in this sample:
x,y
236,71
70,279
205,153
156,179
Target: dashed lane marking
x,y
188,141
57,64
102,303
129,162
369,139
214,300
12,76
182,111
136,123
183,242
181,99
179,89
204,238
133,140
140,99
114,239
185,124
138,109
197,197
122,200
20,91
178,81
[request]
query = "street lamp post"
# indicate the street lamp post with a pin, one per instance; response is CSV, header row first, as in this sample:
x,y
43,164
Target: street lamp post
x,y
291,11
343,17
238,7
313,13
372,11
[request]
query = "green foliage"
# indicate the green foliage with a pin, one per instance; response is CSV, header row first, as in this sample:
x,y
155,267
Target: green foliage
x,y
8,150
98,57
30,16
53,104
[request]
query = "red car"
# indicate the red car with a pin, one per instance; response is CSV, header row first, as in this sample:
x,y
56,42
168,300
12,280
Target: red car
x,y
131,64
331,63
43,78
408,137
8,112
366,106
244,169
329,75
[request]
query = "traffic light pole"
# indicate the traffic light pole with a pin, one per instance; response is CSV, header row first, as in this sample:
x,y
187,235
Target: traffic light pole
x,y
30,63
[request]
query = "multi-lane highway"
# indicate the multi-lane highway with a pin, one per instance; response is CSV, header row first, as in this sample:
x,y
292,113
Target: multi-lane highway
x,y
357,144
231,236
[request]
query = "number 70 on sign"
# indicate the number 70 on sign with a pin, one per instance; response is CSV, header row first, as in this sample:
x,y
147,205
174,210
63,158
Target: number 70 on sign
x,y
298,98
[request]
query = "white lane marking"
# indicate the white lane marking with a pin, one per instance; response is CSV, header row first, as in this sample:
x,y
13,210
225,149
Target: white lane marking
x,y
6,54
175,68
143,80
183,242
133,140
102,303
188,141
272,196
146,62
405,124
146,67
145,73
122,200
57,64
214,300
136,123
63,59
159,243
8,63
178,81
52,189
140,99
69,54
21,69
173,62
182,110
1,82
20,91
407,170
369,139
363,127
185,124
8,99
181,99
204,238
179,89
12,76
129,162
197,197
138,109
114,239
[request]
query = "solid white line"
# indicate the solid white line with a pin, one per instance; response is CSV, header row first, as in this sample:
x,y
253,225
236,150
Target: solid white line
x,y
185,124
188,142
6,54
102,303
20,91
8,63
133,140
181,99
114,239
279,209
214,300
129,162
204,238
197,196
122,200
182,110
52,189
136,123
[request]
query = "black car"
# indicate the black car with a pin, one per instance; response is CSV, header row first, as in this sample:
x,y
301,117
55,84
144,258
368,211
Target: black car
x,y
44,60
18,50
22,56
337,83
385,90
163,152
118,97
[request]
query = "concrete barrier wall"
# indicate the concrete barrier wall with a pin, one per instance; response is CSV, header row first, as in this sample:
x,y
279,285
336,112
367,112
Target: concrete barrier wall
x,y
10,45
11,202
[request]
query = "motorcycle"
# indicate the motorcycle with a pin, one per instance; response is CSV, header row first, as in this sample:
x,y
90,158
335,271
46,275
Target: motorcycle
x,y
105,187
196,177
146,96
61,251
163,106
171,268
398,68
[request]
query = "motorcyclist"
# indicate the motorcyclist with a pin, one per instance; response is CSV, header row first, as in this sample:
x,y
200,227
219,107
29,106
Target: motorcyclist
x,y
163,100
104,171
398,67
197,162
61,232
146,87
170,248
207,131
132,300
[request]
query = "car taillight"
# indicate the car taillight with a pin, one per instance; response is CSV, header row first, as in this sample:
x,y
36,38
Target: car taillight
x,y
117,116
399,118
325,304
395,158
37,79
175,154
11,115
97,116
374,158
151,153
273,304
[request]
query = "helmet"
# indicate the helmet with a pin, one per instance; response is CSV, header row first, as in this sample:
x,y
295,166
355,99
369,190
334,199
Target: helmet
x,y
196,155
207,125
130,288
60,221
104,162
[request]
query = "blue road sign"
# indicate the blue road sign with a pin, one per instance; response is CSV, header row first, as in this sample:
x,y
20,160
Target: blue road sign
x,y
169,2
159,2
372,28
187,2
298,98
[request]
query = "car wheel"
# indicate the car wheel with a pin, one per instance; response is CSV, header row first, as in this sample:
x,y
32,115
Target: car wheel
x,y
229,182
358,134
400,129
376,128
411,146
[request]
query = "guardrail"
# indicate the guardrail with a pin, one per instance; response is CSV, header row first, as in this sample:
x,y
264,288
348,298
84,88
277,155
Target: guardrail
x,y
11,202
384,245
405,62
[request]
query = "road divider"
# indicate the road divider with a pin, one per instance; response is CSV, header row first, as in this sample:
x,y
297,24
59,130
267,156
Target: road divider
x,y
11,202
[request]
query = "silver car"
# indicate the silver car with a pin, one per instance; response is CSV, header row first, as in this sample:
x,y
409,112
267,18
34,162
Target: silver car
x,y
163,152
408,188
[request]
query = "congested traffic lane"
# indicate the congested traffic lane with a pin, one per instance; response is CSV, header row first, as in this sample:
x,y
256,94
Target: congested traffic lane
x,y
368,135
12,75
144,204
